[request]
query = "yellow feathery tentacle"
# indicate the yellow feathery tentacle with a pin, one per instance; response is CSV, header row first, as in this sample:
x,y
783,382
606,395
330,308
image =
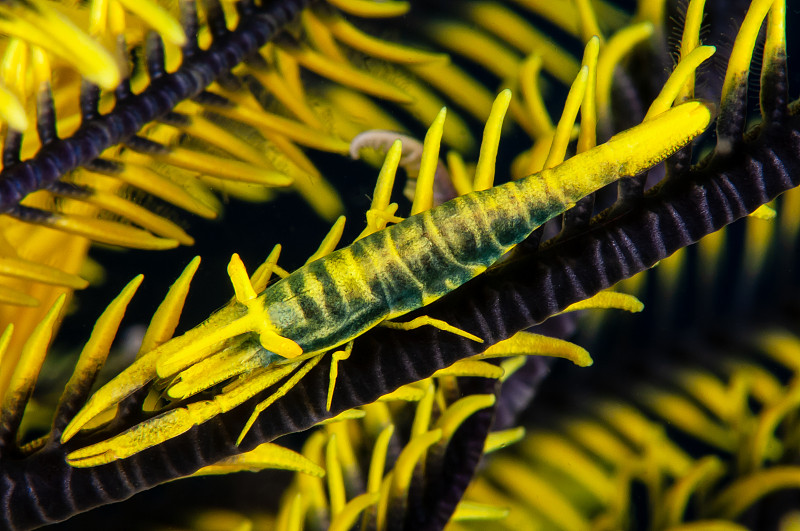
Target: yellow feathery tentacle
x,y
526,343
563,130
502,22
262,457
96,350
484,171
26,372
690,40
37,23
389,51
423,199
617,47
368,9
497,440
675,85
608,299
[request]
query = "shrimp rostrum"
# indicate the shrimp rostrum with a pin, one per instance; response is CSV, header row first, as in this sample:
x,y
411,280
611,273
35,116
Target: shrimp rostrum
x,y
276,336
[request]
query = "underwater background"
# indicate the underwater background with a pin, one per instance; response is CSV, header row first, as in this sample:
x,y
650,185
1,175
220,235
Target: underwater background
x,y
688,416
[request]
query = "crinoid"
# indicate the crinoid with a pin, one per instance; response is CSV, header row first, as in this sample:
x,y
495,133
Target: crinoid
x,y
143,115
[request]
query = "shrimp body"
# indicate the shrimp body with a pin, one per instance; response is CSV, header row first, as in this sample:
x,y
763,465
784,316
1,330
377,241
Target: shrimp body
x,y
411,264
401,268
388,273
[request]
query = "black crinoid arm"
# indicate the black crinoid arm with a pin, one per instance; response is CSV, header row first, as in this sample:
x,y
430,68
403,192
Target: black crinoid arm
x,y
594,248
98,132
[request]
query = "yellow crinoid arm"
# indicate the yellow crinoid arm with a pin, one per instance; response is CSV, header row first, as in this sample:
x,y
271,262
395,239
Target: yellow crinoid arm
x,y
16,396
149,178
104,231
691,40
399,480
394,52
614,50
165,319
261,276
528,344
11,110
470,511
32,270
15,297
377,463
334,476
469,367
683,73
370,9
347,517
484,172
563,130
157,18
608,299
346,74
742,53
330,241
581,97
463,39
458,412
587,137
94,353
143,370
744,492
510,27
262,457
497,440
423,198
39,24
731,121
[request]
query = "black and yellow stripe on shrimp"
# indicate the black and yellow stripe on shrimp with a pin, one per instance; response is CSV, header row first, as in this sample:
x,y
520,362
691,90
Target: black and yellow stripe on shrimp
x,y
731,173
413,263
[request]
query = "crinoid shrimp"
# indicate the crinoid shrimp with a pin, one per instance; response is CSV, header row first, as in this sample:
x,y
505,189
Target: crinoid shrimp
x,y
280,333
